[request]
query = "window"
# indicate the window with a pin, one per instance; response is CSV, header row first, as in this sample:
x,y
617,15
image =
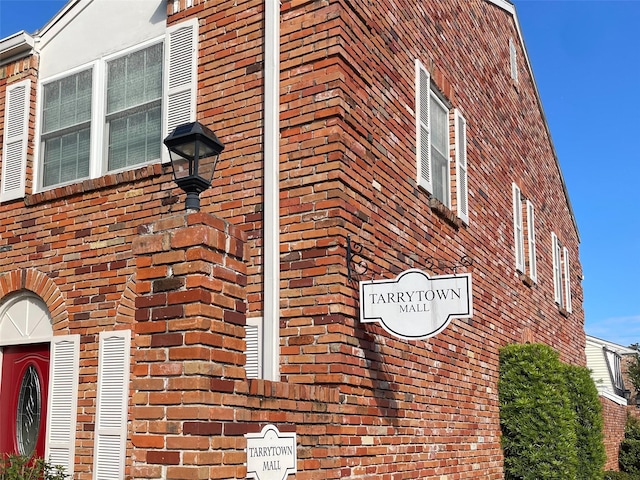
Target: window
x,y
134,95
615,371
66,129
561,274
433,131
112,114
524,234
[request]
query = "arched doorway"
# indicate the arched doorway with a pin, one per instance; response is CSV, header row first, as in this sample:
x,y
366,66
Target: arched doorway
x,y
25,336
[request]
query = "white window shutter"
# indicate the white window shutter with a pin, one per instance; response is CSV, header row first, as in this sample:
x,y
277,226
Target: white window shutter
x,y
253,353
513,60
181,77
531,238
112,402
518,234
567,279
423,127
557,273
63,402
15,140
461,168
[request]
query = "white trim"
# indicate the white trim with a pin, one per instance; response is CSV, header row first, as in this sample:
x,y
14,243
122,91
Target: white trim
x,y
613,397
620,349
271,236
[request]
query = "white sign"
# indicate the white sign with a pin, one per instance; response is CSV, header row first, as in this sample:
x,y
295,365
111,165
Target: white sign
x,y
271,454
415,306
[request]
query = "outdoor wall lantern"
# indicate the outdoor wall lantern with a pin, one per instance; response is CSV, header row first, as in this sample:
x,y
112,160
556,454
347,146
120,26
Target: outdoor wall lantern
x,y
189,144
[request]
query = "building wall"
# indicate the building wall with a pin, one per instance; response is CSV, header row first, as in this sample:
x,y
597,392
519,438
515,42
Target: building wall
x,y
364,404
615,416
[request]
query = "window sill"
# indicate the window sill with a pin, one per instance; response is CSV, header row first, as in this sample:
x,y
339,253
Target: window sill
x,y
441,210
527,280
563,311
92,184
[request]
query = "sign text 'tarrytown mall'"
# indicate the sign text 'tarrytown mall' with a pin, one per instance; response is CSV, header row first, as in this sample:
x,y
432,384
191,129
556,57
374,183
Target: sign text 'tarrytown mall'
x,y
415,306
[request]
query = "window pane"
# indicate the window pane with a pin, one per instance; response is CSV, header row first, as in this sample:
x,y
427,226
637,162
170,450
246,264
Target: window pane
x,y
66,132
66,158
439,150
134,92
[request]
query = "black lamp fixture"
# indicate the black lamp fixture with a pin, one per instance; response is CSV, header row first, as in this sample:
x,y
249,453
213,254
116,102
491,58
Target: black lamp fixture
x,y
189,144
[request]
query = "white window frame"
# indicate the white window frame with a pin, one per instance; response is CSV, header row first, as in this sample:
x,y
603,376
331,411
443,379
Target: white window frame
x,y
178,105
98,161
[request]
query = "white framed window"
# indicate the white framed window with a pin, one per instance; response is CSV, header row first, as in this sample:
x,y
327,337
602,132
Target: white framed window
x,y
433,152
113,113
524,234
561,274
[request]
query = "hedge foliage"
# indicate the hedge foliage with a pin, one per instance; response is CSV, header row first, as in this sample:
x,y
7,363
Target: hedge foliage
x,y
589,423
629,455
550,415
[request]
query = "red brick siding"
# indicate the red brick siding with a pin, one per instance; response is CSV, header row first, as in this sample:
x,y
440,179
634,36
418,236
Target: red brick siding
x,y
363,404
615,416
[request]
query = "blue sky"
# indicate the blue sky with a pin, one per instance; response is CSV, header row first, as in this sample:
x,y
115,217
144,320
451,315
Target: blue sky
x,y
586,62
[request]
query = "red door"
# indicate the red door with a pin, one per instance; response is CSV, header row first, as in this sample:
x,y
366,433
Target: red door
x,y
23,399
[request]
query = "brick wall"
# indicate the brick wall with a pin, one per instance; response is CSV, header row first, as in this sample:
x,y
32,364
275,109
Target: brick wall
x,y
364,404
615,416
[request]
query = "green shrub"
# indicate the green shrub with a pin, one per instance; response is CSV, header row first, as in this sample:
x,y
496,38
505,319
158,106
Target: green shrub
x,y
629,454
536,415
20,467
589,424
611,475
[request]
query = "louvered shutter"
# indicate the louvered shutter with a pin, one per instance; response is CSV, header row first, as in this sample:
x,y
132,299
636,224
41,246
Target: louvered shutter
x,y
181,64
423,132
253,353
461,167
531,238
513,60
518,234
557,273
14,151
63,402
567,280
111,415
